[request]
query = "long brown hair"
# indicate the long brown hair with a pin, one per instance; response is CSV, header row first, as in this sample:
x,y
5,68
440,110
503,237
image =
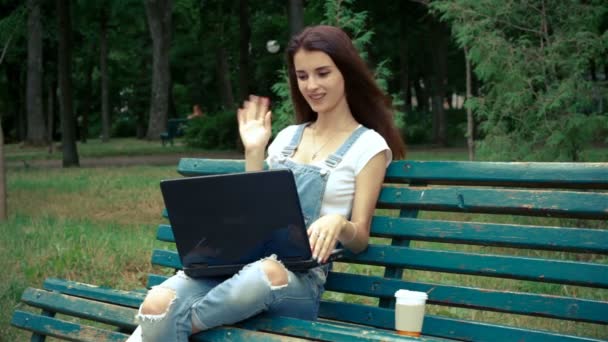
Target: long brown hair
x,y
368,104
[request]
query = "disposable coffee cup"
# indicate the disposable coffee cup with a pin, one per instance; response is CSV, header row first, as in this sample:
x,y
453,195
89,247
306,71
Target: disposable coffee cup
x,y
409,312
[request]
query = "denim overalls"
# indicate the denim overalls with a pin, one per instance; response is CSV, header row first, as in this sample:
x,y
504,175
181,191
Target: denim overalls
x,y
210,302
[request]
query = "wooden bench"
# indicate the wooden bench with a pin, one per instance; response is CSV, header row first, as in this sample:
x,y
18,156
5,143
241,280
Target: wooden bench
x,y
505,251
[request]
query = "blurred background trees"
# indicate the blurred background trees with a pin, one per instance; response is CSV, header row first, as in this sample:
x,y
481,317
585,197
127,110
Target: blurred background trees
x,y
541,96
538,82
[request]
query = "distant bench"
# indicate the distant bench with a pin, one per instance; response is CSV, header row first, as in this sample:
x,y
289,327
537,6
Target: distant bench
x,y
175,128
548,270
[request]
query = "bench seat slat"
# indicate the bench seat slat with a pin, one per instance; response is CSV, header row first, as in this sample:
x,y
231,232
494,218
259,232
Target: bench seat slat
x,y
326,330
102,294
62,329
497,201
537,174
439,326
125,317
229,334
155,279
553,271
575,309
79,307
489,234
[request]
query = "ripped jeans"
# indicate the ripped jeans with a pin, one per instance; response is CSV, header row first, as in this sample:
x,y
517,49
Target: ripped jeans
x,y
205,303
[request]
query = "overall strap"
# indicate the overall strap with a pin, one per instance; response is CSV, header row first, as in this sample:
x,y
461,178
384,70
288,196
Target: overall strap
x,y
295,141
335,158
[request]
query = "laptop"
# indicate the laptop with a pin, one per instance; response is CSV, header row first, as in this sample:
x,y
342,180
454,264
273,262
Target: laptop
x,y
224,222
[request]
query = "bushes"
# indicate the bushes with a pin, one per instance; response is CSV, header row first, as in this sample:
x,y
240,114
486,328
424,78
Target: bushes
x,y
213,131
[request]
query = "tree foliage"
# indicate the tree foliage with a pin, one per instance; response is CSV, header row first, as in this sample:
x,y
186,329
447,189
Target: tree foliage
x,y
539,100
540,73
12,28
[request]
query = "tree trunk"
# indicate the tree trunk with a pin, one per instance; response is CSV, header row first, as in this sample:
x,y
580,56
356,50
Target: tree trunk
x,y
50,114
83,128
103,64
223,74
171,110
35,115
295,16
470,122
3,206
140,114
158,13
245,37
15,106
68,127
439,79
404,68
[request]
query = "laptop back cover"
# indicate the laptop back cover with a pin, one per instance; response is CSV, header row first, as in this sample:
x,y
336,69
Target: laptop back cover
x,y
235,219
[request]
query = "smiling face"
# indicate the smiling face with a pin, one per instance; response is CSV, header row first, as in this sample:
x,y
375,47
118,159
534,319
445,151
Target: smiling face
x,y
319,81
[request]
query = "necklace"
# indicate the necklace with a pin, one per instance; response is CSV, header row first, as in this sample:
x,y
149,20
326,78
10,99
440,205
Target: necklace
x,y
314,144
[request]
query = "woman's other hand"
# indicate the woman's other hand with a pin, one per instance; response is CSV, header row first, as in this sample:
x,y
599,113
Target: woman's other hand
x,y
323,235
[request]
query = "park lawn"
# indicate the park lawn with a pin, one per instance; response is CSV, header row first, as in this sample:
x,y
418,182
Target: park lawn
x,y
97,225
95,148
91,225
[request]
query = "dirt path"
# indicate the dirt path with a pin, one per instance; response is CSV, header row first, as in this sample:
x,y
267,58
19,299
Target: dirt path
x,y
168,159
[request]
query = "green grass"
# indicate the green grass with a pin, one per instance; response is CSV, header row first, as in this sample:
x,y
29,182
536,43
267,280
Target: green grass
x,y
97,225
91,225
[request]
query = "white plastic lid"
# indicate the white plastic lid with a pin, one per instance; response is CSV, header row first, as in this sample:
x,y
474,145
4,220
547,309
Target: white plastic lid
x,y
413,296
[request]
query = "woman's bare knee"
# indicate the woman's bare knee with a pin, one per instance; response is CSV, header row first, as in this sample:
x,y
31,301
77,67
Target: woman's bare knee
x,y
157,301
276,272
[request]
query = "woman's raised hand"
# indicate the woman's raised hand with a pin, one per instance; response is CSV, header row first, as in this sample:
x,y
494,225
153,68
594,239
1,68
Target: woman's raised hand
x,y
254,123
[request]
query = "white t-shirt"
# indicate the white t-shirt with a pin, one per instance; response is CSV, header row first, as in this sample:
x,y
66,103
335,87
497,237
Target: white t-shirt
x,y
340,189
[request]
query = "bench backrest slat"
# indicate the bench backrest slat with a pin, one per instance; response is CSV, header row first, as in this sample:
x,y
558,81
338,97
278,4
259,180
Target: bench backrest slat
x,y
492,234
566,175
542,270
498,201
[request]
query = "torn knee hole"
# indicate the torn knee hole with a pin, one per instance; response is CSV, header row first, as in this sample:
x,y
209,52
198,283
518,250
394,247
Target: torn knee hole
x,y
276,272
158,301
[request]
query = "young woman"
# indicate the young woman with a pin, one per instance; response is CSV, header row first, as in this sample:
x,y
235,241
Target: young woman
x,y
338,153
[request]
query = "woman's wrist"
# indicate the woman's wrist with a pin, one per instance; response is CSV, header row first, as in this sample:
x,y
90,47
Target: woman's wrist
x,y
349,232
254,159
